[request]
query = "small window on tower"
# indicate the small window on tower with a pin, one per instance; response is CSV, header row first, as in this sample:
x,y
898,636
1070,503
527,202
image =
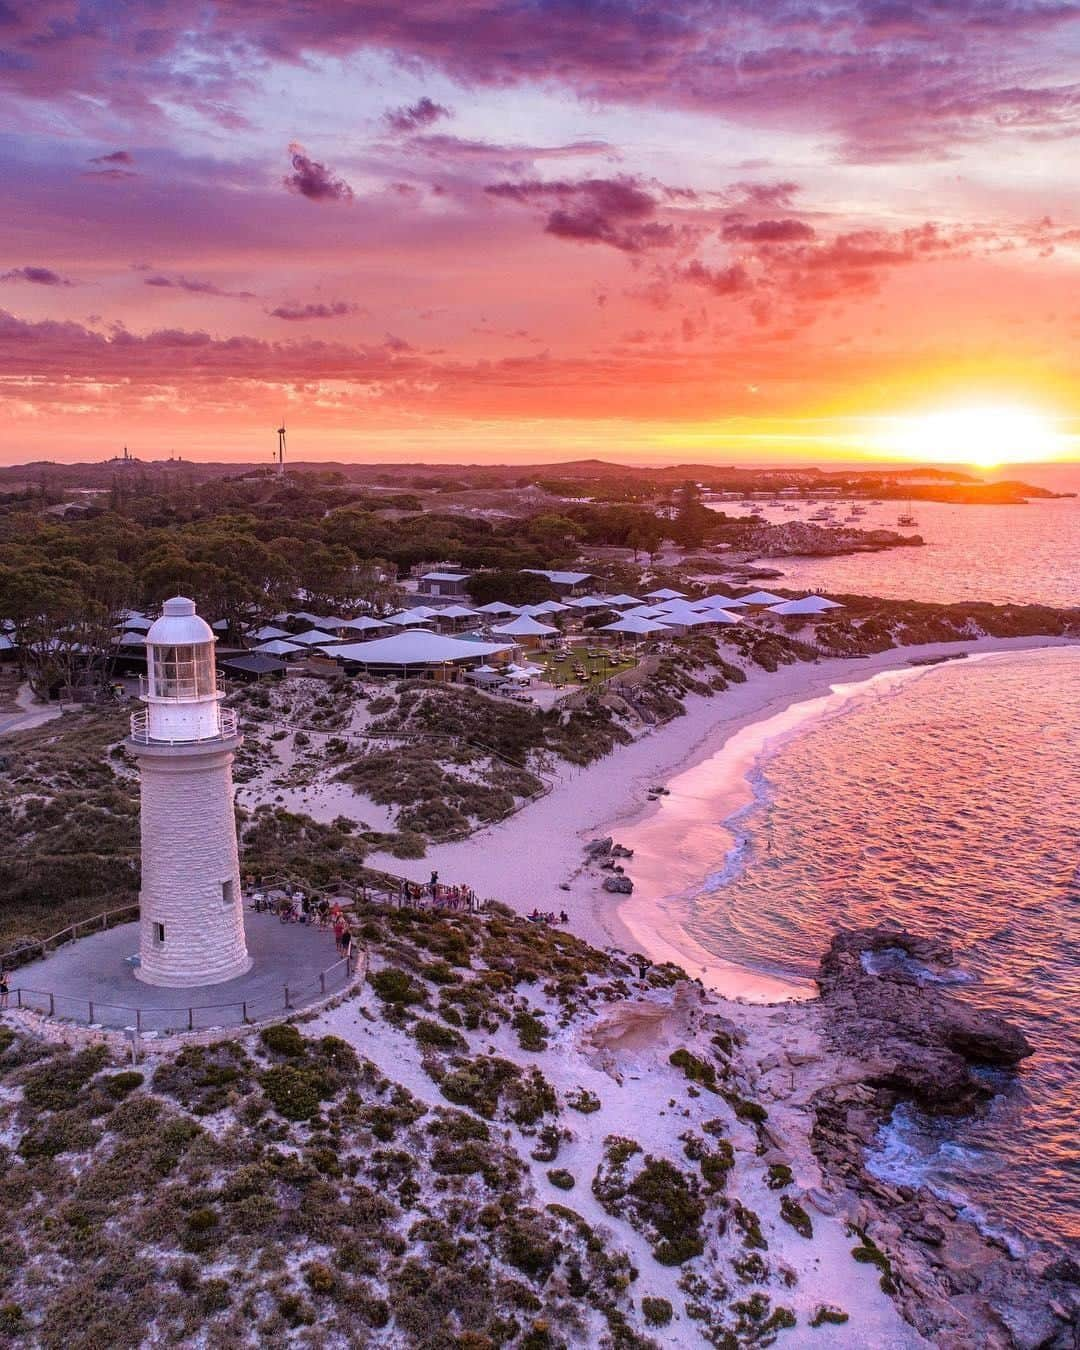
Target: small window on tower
x,y
159,934
227,892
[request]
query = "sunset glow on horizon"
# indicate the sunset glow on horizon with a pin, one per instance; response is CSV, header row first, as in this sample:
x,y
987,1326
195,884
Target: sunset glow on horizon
x,y
523,233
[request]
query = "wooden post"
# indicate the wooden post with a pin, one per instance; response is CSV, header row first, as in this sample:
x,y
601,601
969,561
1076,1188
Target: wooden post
x,y
138,1021
52,1005
322,980
286,997
244,1011
191,1019
91,1007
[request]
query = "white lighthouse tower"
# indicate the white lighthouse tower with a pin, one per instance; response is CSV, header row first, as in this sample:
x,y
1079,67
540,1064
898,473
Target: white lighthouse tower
x,y
191,912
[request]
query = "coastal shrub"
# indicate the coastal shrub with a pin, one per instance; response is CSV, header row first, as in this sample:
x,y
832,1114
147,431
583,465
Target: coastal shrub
x,y
547,1145
436,1036
530,1097
656,1311
560,1177
205,1078
294,1092
794,1214
584,1101
478,1083
750,1226
283,1039
752,1112
869,1253
696,1070
751,1268
531,1032
779,1176
396,986
120,1084
56,1084
408,844
825,1315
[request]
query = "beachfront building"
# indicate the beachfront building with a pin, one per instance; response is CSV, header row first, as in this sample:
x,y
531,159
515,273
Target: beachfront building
x,y
566,583
453,584
527,631
191,921
417,654
810,606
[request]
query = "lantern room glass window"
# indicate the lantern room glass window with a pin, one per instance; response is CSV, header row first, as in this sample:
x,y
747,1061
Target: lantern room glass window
x,y
183,672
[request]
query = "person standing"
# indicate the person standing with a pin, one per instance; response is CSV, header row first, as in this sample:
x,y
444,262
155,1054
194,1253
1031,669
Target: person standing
x,y
5,989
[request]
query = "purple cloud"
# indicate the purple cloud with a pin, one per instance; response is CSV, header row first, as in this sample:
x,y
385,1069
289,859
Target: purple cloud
x,y
314,180
195,286
423,113
114,157
332,310
614,211
37,276
785,231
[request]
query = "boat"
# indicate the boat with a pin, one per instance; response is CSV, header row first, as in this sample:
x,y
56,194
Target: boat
x,y
907,517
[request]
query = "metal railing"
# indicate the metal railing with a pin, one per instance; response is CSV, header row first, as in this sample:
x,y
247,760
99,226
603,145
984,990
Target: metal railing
x,y
227,724
31,951
192,1017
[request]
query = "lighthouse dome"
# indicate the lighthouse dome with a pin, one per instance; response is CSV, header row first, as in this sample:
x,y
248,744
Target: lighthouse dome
x,y
179,625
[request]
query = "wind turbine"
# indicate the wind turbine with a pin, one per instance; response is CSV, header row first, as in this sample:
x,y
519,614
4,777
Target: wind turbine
x,y
281,449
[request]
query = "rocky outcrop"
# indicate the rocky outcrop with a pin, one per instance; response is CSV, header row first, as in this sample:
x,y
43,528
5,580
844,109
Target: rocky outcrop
x,y
911,1037
897,1038
801,538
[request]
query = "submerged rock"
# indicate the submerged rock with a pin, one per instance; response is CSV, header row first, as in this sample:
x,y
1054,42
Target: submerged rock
x,y
620,884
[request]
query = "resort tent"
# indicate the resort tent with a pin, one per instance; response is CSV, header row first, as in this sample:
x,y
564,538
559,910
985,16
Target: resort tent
x,y
644,611
565,581
719,616
135,623
363,624
809,604
415,651
268,632
525,626
131,639
718,602
620,601
545,607
631,625
455,612
279,647
589,602
665,593
762,598
410,618
252,666
314,637
497,607
691,618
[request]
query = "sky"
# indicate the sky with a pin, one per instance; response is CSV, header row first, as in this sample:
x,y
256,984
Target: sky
x,y
498,230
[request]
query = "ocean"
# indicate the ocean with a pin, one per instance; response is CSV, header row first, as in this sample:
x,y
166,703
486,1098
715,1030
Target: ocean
x,y
1006,554
946,799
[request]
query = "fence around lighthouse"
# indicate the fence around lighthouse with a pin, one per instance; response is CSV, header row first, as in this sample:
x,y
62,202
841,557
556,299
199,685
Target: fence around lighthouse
x,y
140,727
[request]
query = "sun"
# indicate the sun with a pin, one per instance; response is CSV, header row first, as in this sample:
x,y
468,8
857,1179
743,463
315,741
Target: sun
x,y
983,435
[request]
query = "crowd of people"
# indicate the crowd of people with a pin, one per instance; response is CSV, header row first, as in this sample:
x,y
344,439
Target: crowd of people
x,y
548,916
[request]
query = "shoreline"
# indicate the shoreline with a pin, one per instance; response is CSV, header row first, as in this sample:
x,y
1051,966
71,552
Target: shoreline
x,y
526,860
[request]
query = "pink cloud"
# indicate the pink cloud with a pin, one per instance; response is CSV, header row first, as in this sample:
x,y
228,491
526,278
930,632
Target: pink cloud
x,y
314,180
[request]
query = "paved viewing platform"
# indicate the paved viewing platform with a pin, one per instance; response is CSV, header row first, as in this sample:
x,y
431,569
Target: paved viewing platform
x,y
92,980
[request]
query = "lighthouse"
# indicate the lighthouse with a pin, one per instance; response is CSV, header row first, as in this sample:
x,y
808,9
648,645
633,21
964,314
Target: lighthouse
x,y
191,913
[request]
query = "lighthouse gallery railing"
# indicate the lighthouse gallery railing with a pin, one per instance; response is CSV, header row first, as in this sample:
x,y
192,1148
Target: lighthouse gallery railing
x,y
140,728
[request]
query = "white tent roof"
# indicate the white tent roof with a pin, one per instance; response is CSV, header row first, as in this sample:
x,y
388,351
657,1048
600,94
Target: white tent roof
x,y
544,607
485,669
6,644
408,618
665,593
445,576
691,618
416,648
589,602
809,604
718,602
618,601
497,607
363,624
132,638
268,631
314,637
762,598
525,626
278,647
634,623
455,612
135,621
644,612
560,578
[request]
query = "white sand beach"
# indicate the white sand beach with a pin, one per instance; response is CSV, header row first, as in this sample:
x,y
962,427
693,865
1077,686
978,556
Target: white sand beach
x,y
525,860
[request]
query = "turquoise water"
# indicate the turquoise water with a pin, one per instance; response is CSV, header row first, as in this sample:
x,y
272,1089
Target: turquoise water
x,y
950,803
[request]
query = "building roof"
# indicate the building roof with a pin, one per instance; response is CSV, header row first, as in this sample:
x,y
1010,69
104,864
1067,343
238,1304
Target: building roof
x,y
363,624
409,618
314,637
809,604
665,593
456,612
254,663
618,601
762,598
132,638
636,624
497,607
525,626
279,647
445,576
268,631
718,602
416,648
589,602
559,578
